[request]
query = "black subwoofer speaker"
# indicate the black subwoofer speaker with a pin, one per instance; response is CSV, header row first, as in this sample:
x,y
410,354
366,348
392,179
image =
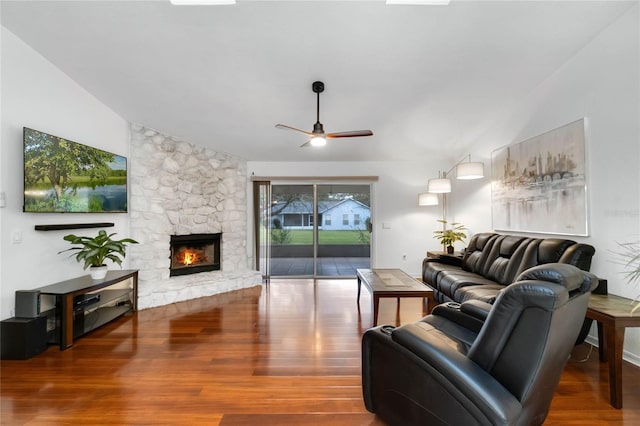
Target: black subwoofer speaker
x,y
27,303
23,338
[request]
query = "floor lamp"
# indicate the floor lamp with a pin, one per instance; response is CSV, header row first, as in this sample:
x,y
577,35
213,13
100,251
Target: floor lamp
x,y
465,170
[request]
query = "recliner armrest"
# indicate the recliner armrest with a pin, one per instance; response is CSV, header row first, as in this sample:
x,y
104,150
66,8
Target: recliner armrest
x,y
476,308
470,318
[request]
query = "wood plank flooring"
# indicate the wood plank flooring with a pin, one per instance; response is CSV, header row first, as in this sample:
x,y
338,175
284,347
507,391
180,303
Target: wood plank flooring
x,y
286,354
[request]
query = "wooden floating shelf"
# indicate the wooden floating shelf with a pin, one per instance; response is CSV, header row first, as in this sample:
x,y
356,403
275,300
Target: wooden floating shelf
x,y
73,226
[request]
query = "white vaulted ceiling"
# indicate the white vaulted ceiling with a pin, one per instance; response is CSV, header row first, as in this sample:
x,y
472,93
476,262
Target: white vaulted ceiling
x,y
423,78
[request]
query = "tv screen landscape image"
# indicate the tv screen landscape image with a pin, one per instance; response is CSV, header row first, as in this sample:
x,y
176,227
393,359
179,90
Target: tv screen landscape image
x,y
65,176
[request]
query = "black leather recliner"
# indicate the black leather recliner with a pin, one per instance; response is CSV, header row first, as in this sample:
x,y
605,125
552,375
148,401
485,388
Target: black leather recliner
x,y
477,363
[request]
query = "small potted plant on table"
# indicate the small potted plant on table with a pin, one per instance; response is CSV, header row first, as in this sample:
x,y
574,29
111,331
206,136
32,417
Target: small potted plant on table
x,y
94,251
630,254
448,237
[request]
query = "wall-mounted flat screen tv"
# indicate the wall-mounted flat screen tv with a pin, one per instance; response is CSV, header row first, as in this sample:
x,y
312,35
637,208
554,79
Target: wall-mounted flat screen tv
x,y
63,176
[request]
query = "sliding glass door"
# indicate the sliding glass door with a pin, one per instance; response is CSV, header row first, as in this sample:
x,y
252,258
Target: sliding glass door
x,y
314,229
292,230
344,218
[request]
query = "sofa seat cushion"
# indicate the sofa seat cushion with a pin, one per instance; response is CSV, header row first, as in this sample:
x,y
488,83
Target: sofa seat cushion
x,y
450,281
431,270
484,293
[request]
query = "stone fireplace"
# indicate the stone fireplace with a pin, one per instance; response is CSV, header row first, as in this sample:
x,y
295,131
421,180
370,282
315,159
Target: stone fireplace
x,y
194,253
179,189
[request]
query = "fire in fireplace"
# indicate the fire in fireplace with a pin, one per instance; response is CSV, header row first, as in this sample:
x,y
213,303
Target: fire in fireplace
x,y
195,253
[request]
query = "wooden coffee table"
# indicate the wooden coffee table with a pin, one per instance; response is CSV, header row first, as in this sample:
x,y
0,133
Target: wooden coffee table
x,y
392,283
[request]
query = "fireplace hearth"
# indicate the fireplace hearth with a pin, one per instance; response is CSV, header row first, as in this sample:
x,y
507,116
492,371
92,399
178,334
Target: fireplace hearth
x,y
194,253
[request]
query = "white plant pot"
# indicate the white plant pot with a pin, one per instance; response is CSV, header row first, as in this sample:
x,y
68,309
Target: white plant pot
x,y
98,272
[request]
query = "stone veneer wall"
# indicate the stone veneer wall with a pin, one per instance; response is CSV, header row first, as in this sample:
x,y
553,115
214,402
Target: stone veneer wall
x,y
179,188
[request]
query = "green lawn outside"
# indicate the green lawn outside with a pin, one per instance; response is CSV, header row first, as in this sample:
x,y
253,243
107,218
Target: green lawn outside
x,y
305,236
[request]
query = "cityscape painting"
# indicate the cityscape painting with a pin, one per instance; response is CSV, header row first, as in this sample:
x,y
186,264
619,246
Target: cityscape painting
x,y
539,185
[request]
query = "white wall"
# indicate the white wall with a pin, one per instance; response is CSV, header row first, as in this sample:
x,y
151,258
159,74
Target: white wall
x,y
600,83
38,95
394,203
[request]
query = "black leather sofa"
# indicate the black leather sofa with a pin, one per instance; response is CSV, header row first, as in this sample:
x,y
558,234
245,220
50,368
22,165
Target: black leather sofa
x,y
492,261
438,371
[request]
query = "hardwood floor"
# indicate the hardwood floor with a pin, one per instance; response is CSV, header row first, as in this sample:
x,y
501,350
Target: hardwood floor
x,y
286,354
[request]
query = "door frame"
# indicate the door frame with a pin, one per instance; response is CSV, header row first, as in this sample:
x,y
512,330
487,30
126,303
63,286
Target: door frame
x,y
314,181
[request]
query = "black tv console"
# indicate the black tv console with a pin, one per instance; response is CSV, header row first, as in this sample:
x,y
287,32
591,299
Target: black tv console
x,y
84,304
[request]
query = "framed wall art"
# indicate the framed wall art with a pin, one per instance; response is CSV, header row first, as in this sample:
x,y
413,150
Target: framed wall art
x,y
539,185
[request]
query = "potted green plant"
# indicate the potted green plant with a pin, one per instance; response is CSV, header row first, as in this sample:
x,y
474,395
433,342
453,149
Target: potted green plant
x,y
94,251
630,254
448,237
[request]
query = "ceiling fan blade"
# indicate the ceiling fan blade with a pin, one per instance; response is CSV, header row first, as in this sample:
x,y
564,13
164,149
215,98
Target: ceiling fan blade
x,y
318,137
351,134
284,126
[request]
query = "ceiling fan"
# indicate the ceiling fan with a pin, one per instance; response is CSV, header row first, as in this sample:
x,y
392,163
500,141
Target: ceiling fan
x,y
318,137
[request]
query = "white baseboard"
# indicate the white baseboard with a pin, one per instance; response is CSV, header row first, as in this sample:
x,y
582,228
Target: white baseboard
x,y
627,356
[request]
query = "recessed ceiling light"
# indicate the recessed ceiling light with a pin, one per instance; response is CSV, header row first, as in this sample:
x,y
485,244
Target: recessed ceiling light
x,y
420,2
201,2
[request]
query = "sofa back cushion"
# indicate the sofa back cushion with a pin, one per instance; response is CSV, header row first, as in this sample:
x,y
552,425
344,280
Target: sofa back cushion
x,y
505,258
551,250
501,258
578,255
477,252
528,334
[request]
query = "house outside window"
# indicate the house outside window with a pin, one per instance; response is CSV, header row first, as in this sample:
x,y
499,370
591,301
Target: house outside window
x,y
345,219
327,219
356,219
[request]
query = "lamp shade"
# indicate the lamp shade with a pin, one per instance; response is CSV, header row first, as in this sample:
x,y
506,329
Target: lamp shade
x,y
439,186
427,199
470,170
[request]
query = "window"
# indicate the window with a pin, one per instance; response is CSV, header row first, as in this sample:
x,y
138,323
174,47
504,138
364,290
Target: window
x,y
356,219
293,219
345,219
327,220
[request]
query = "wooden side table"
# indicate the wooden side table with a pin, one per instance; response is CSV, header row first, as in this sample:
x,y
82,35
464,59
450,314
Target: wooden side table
x,y
441,254
613,314
454,259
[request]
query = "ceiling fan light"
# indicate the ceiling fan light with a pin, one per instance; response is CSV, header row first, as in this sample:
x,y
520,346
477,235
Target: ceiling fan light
x,y
318,141
470,171
439,186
